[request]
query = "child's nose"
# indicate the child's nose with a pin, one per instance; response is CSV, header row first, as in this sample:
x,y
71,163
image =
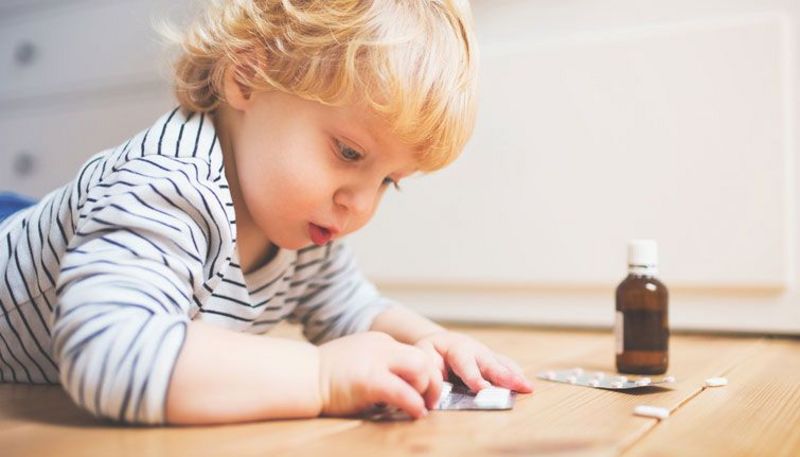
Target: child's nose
x,y
358,201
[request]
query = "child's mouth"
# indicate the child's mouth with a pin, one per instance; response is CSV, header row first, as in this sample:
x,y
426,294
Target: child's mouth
x,y
319,235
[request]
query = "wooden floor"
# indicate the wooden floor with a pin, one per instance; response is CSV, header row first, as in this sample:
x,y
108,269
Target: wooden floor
x,y
757,414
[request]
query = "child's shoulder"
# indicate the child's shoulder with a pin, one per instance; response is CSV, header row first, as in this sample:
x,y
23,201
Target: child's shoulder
x,y
175,141
180,135
176,163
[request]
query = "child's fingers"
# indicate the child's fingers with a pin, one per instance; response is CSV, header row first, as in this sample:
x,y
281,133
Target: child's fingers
x,y
417,368
465,367
437,358
521,382
392,390
496,372
434,389
438,361
413,365
510,363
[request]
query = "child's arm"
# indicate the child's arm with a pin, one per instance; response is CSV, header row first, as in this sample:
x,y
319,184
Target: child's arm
x,y
223,376
405,325
472,361
339,300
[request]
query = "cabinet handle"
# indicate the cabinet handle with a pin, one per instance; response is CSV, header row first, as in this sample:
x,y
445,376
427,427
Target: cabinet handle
x,y
25,53
24,163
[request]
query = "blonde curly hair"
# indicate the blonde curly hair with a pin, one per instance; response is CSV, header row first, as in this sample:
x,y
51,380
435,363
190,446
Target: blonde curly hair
x,y
414,62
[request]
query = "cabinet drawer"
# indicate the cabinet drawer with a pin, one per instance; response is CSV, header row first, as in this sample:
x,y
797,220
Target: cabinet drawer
x,y
81,47
9,8
43,150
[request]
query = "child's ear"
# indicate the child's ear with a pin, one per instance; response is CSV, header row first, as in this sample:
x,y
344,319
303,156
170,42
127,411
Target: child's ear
x,y
237,95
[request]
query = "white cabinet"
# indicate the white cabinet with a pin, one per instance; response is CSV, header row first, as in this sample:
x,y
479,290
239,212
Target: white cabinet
x,y
44,149
85,48
77,77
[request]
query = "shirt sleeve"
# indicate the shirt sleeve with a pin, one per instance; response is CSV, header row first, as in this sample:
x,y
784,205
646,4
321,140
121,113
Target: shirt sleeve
x,y
145,241
339,300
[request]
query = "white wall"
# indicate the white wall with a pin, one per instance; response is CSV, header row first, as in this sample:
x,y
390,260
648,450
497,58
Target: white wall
x,y
601,122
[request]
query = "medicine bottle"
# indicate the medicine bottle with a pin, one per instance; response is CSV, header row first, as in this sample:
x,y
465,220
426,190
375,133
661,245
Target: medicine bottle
x,y
641,328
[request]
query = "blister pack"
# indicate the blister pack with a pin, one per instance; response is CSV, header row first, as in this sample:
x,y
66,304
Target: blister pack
x,y
454,397
602,380
459,397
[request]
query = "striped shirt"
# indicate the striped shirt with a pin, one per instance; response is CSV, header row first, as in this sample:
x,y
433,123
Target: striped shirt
x,y
101,277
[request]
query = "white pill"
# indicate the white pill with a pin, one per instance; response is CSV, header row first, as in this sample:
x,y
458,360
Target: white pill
x,y
444,395
446,388
651,411
594,383
572,379
599,375
493,397
669,379
622,378
578,371
617,385
551,375
644,382
716,382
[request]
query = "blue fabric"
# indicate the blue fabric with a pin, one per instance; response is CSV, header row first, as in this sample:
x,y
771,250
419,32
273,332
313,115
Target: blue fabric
x,y
10,203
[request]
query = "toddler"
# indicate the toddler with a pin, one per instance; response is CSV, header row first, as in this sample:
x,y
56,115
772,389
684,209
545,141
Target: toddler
x,y
144,285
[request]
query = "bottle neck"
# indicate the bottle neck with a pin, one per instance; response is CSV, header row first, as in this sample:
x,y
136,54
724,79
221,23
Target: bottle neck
x,y
643,270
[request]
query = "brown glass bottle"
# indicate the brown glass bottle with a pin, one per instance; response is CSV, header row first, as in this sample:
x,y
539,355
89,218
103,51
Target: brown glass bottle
x,y
642,323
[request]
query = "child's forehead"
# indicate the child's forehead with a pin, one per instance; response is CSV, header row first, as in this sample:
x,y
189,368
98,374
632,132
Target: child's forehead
x,y
359,115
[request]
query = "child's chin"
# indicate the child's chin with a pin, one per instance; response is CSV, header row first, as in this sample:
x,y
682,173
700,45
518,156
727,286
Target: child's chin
x,y
296,245
290,243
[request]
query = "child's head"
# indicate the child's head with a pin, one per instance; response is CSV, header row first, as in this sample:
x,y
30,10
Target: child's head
x,y
321,104
411,61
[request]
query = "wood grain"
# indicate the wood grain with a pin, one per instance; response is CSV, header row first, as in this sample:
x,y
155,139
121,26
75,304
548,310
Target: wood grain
x,y
557,419
759,411
42,420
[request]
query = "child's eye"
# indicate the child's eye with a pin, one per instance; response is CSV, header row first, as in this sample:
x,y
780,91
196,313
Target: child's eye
x,y
387,181
349,154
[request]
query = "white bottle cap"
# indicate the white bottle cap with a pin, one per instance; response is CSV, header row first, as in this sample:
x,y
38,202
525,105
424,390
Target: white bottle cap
x,y
642,253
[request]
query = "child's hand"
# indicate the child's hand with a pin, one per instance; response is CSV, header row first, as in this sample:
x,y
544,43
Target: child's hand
x,y
363,369
473,362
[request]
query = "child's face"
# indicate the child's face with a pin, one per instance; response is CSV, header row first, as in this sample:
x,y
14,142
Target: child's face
x,y
309,172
